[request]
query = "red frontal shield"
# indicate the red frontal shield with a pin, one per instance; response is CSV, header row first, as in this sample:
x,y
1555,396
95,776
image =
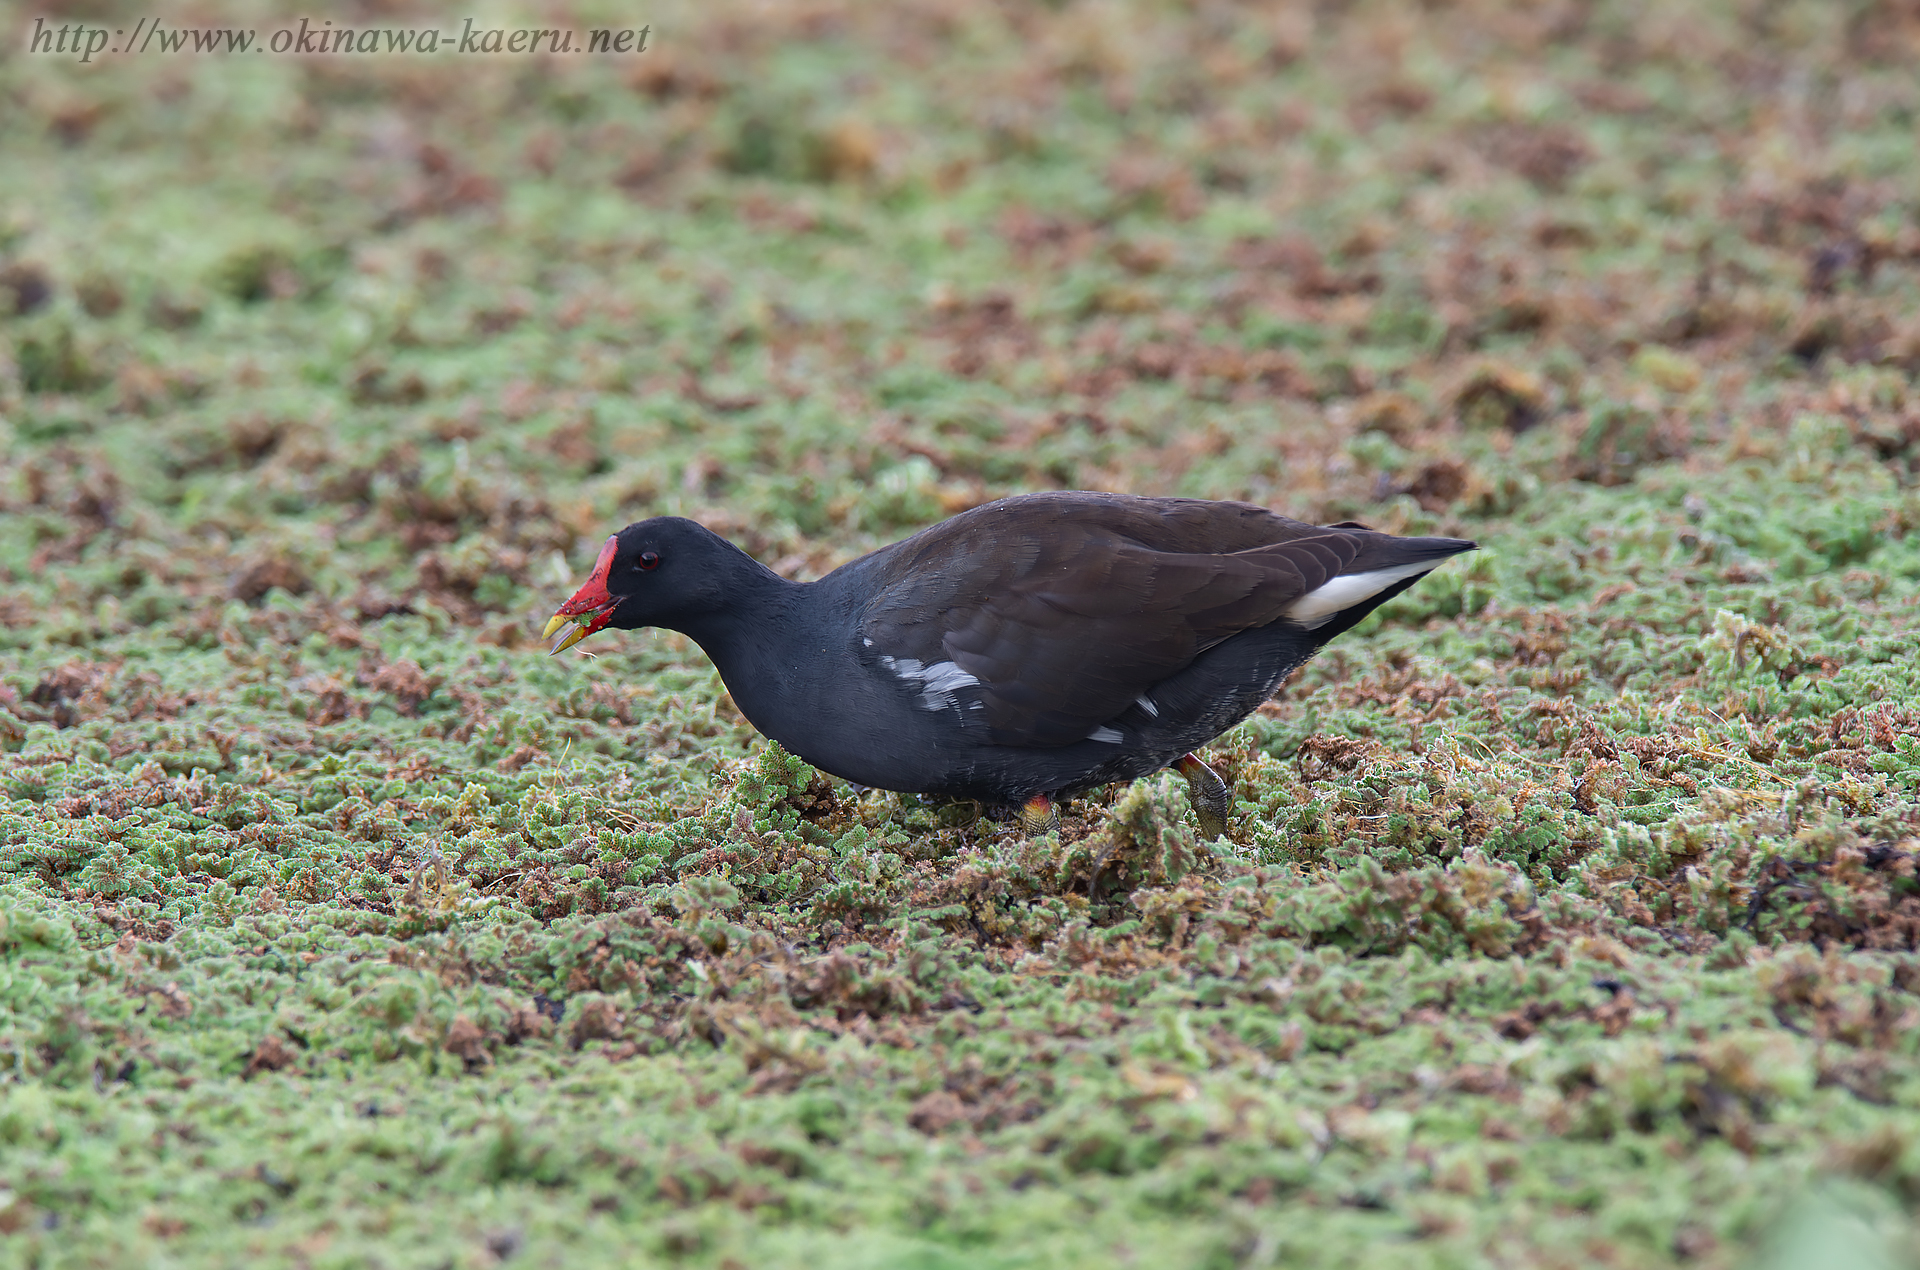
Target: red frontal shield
x,y
591,606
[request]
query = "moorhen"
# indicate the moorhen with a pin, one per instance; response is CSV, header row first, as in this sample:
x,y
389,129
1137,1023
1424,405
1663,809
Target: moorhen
x,y
1022,652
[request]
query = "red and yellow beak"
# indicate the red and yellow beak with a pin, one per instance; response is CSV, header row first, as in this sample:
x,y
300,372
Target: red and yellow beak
x,y
591,606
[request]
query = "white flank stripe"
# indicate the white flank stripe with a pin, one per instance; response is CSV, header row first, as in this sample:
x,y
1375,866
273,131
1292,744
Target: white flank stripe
x,y
944,676
1318,607
1105,734
1146,703
937,682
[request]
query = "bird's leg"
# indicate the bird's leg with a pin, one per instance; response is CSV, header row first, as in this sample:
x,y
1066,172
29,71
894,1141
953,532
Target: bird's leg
x,y
1039,814
1208,794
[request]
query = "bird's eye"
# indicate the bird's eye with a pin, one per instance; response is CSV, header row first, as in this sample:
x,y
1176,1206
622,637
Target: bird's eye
x,y
649,560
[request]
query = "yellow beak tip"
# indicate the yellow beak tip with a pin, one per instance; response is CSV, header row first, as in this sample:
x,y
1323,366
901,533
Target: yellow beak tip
x,y
571,638
554,623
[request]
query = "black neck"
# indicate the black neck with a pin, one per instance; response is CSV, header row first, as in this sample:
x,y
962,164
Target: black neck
x,y
737,594
744,631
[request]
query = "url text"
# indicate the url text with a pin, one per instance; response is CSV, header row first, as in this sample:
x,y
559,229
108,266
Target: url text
x,y
78,40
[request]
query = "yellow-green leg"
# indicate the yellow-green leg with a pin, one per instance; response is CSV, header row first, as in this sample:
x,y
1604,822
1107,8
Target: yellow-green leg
x,y
1208,794
1039,814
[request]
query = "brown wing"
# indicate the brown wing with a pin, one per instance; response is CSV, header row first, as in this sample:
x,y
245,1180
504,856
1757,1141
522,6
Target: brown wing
x,y
1065,618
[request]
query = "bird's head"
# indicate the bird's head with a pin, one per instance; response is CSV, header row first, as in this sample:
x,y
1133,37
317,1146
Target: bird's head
x,y
658,572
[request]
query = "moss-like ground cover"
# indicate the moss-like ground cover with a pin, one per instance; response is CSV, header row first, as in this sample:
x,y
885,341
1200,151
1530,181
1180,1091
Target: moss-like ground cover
x,y
1570,912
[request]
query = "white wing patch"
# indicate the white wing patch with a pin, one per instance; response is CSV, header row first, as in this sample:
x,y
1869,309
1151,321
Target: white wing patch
x,y
1146,703
1105,734
1318,607
937,683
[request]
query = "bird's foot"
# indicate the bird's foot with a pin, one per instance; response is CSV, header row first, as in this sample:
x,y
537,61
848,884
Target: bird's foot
x,y
1039,814
1208,794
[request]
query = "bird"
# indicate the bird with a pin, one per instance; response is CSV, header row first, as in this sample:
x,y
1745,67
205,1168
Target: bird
x,y
1020,653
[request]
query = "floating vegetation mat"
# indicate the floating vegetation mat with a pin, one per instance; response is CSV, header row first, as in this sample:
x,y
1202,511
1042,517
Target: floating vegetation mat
x,y
1568,913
